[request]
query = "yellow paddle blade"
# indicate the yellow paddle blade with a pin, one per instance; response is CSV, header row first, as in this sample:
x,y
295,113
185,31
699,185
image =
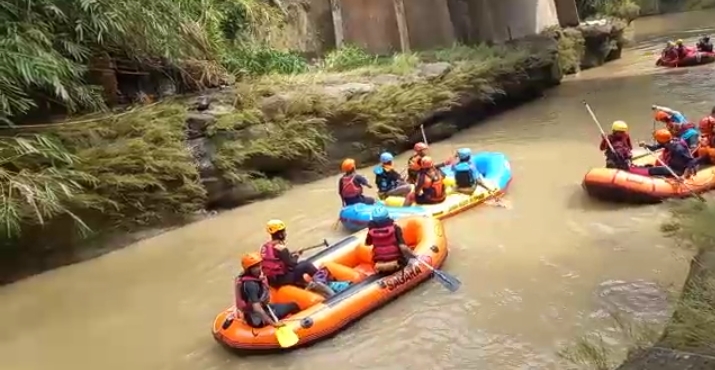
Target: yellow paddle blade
x,y
449,181
394,201
286,337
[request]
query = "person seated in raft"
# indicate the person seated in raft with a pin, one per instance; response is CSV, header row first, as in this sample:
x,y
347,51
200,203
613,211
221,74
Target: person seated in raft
x,y
676,154
281,267
705,155
389,250
413,163
351,183
253,294
622,145
704,44
707,126
430,185
680,49
677,124
323,276
669,52
389,182
466,176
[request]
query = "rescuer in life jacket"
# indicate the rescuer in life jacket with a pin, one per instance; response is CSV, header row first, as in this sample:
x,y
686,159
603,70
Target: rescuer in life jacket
x,y
704,44
253,294
389,251
677,124
707,126
466,175
389,182
669,52
705,155
351,183
676,154
622,145
413,163
430,185
281,267
681,49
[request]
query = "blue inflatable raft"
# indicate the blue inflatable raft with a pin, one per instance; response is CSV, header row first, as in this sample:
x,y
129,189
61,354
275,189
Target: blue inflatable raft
x,y
494,168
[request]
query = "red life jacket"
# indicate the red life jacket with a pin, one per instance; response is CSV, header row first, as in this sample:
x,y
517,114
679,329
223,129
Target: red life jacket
x,y
241,303
272,265
384,244
348,188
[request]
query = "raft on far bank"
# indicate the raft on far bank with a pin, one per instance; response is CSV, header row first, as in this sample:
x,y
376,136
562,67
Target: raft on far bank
x,y
493,166
347,260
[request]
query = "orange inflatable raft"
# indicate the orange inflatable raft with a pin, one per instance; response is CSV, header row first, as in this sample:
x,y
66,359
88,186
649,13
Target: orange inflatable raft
x,y
623,186
348,260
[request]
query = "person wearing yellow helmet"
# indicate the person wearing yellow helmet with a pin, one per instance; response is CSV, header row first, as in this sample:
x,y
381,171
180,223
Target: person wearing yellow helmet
x,y
253,296
681,49
351,183
619,139
280,266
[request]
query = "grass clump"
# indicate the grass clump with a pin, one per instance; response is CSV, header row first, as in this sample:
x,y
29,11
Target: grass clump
x,y
141,164
627,10
571,48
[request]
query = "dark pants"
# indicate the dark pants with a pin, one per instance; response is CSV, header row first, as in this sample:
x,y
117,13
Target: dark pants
x,y
359,199
294,276
663,171
281,310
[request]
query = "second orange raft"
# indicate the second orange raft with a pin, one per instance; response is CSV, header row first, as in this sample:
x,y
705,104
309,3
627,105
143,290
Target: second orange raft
x,y
623,186
348,260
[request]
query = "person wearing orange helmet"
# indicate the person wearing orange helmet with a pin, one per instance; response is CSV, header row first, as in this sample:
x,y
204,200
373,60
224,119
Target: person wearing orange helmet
x,y
253,296
429,188
280,266
677,124
676,154
413,163
351,183
707,126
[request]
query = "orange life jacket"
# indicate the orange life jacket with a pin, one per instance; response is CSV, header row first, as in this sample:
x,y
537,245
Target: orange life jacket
x,y
384,244
433,185
348,188
707,151
272,265
241,303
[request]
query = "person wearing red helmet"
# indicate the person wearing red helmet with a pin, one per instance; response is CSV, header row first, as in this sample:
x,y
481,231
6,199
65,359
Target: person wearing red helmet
x,y
351,183
429,188
707,126
253,296
413,163
676,155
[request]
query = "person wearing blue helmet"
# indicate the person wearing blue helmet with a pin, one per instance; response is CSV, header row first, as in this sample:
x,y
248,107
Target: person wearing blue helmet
x,y
389,250
466,176
388,181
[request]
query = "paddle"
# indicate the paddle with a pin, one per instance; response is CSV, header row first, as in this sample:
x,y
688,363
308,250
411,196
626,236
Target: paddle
x,y
285,336
324,243
600,128
448,281
679,178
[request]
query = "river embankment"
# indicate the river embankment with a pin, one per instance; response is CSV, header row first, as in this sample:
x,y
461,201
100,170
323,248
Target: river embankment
x,y
688,340
165,163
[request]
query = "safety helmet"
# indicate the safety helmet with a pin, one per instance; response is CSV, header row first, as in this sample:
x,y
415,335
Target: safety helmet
x,y
420,146
706,124
274,226
464,153
347,165
662,116
379,213
386,157
619,126
426,162
662,136
679,42
250,259
670,43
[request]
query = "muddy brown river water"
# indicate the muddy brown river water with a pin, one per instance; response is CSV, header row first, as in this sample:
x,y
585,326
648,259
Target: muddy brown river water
x,y
535,276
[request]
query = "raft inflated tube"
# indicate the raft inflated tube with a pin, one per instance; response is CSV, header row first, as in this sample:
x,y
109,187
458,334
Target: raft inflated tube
x,y
347,260
635,187
493,166
692,59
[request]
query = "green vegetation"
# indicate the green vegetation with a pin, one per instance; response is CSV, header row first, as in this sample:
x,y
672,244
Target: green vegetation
x,y
692,327
627,10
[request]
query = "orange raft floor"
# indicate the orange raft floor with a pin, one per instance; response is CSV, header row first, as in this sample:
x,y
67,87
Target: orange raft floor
x,y
622,186
347,259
